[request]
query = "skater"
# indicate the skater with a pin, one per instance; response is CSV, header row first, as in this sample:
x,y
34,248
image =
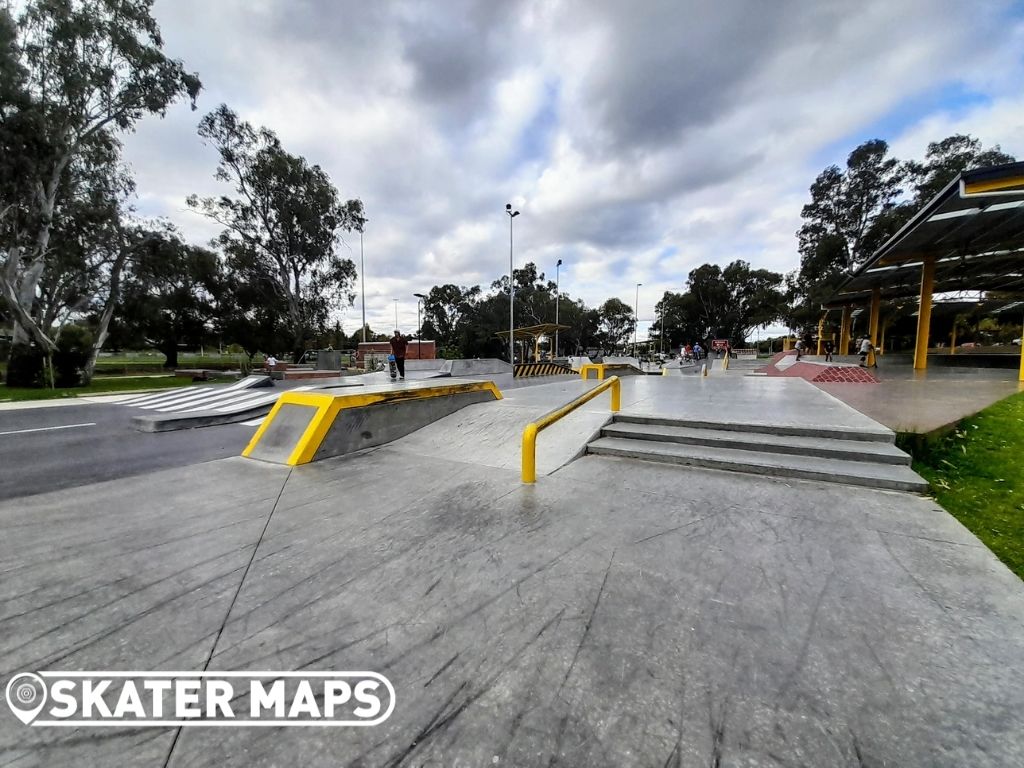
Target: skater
x,y
865,348
828,351
799,349
398,345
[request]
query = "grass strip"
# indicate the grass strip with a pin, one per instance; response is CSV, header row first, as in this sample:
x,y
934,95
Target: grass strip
x,y
977,474
100,385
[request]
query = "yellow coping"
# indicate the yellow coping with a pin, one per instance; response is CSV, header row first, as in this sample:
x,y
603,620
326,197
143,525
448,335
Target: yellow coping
x,y
997,185
529,443
328,407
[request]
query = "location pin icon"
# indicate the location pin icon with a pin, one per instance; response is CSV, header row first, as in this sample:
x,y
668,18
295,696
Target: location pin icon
x,y
26,695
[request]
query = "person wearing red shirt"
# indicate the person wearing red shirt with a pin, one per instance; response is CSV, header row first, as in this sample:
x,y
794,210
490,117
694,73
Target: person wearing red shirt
x,y
398,345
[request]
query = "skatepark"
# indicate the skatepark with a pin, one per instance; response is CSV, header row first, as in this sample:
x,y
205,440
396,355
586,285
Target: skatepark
x,y
730,570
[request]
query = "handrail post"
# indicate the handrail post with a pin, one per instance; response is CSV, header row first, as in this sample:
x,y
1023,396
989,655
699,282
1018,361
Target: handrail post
x,y
616,394
530,453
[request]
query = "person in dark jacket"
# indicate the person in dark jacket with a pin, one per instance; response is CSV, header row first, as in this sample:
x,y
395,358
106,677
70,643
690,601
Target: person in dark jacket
x,y
398,346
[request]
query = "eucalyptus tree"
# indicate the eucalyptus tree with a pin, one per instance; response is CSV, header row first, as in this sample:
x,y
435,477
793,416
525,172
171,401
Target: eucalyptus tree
x,y
76,73
282,226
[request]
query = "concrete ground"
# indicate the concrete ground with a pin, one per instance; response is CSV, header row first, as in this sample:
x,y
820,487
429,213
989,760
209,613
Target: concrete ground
x,y
617,613
913,401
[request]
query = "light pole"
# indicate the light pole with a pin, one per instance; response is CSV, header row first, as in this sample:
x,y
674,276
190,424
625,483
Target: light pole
x,y
636,317
362,274
511,289
396,314
420,298
661,328
558,300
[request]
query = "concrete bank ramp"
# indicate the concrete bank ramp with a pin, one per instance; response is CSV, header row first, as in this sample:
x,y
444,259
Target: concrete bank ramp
x,y
479,367
310,426
490,434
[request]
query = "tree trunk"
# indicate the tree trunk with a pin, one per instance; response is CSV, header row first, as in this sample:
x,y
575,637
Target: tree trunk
x,y
170,351
105,316
23,298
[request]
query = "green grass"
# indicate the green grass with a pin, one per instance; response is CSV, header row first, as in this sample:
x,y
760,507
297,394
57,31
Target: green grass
x,y
100,385
977,474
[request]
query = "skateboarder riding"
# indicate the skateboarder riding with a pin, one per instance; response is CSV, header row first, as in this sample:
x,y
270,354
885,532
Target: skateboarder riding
x,y
398,345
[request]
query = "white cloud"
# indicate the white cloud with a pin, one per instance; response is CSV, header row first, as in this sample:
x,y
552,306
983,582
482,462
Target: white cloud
x,y
623,131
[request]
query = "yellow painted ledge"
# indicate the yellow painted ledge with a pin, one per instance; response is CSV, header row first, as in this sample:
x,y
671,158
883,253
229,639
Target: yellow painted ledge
x,y
328,407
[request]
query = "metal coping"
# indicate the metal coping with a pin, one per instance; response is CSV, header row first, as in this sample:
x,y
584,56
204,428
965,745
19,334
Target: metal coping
x,y
328,406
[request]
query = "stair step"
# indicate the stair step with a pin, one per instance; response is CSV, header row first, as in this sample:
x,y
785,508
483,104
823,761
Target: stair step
x,y
829,448
880,435
783,466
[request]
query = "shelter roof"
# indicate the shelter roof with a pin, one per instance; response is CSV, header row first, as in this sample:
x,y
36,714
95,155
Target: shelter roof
x,y
974,228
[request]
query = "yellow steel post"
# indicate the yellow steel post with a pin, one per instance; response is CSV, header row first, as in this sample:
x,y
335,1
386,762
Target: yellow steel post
x,y
881,340
530,454
785,344
952,339
876,303
924,314
844,332
821,330
1021,376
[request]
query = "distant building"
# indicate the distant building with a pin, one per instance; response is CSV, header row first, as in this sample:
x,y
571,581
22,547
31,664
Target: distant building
x,y
417,350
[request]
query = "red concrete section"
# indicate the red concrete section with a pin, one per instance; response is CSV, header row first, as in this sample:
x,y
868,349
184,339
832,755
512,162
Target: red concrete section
x,y
818,372
845,374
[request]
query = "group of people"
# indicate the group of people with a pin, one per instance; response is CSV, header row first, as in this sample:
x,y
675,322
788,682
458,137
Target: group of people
x,y
864,348
694,352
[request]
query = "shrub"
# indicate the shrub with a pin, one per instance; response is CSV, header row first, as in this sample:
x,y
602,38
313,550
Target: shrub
x,y
25,366
73,348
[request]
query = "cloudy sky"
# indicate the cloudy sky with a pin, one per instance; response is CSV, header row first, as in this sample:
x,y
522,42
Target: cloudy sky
x,y
639,138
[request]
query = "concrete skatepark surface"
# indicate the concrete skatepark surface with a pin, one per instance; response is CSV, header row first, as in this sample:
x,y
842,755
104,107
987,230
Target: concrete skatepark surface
x,y
617,613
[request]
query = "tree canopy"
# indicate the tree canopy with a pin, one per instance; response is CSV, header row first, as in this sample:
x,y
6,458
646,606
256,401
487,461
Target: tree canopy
x,y
282,226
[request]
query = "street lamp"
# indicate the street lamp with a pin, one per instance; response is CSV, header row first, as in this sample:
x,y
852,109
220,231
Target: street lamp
x,y
558,300
636,317
511,289
362,274
419,328
396,314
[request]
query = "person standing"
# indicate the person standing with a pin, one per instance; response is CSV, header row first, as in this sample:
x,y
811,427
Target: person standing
x,y
799,349
398,347
828,351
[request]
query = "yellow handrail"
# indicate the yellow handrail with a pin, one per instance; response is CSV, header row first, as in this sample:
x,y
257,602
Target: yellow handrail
x,y
531,430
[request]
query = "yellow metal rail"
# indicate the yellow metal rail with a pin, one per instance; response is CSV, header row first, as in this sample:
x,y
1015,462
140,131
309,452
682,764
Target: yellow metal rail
x,y
531,430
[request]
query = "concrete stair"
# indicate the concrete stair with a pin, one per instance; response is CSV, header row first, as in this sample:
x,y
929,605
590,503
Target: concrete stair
x,y
862,458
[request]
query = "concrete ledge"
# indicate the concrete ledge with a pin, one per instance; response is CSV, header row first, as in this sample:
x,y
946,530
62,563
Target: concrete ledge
x,y
172,422
309,426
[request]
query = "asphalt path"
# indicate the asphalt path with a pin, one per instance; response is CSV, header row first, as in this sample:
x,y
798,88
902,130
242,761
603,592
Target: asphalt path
x,y
46,449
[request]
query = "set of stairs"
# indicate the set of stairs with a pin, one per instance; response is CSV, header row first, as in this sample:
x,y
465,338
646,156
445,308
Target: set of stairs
x,y
855,458
746,366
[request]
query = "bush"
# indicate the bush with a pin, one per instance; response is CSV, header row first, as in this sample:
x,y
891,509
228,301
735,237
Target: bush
x,y
69,361
25,366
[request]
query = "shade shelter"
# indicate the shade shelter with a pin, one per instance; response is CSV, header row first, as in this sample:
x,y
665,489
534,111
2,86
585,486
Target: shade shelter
x,y
534,333
969,237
